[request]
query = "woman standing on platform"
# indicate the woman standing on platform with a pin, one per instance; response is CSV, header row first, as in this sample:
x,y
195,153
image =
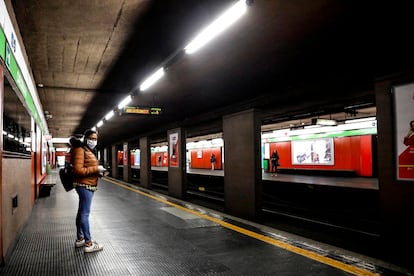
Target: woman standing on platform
x,y
212,161
275,162
86,171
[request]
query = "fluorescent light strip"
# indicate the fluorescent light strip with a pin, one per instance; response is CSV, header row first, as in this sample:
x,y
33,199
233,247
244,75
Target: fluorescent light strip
x,y
352,121
109,115
124,102
152,79
218,25
325,129
324,122
62,149
60,140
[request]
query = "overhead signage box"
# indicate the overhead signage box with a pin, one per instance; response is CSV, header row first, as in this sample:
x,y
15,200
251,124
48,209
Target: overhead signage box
x,y
324,122
142,110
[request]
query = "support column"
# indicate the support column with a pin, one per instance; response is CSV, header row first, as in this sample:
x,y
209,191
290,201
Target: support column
x,y
177,180
395,196
145,162
114,161
105,157
242,169
127,162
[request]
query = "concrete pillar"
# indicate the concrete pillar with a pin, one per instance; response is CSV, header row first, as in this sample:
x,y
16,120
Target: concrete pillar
x,y
114,161
145,162
395,196
242,169
177,180
105,157
127,162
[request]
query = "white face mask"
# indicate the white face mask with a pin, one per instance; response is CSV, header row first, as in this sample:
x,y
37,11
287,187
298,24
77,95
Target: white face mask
x,y
91,143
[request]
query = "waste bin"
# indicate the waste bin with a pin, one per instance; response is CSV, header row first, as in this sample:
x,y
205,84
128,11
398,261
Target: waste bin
x,y
265,165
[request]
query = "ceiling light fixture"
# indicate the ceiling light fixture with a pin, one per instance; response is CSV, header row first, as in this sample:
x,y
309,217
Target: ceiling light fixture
x,y
323,122
218,25
360,120
152,79
58,140
124,102
100,123
109,115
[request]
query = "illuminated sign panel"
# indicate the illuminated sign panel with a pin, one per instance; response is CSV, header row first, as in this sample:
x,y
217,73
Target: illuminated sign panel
x,y
142,110
313,152
324,122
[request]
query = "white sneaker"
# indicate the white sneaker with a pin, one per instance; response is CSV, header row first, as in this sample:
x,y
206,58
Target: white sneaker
x,y
79,243
93,247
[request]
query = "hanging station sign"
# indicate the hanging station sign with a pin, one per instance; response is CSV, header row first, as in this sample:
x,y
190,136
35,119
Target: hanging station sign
x,y
142,110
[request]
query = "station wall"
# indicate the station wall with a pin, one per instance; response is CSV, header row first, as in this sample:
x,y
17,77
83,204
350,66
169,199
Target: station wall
x,y
350,153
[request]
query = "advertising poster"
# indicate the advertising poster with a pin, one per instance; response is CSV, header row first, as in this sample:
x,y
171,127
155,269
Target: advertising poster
x,y
125,155
404,134
313,152
173,149
137,158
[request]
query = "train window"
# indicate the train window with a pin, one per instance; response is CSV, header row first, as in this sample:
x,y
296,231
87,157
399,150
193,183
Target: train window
x,y
16,122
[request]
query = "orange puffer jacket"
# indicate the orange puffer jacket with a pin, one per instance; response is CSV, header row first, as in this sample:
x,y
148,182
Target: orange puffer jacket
x,y
85,166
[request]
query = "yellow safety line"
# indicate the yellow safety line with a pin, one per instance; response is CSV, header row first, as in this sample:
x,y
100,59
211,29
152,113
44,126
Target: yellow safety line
x,y
306,253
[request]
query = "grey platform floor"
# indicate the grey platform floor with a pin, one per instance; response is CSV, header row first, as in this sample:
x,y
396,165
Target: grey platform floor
x,y
144,233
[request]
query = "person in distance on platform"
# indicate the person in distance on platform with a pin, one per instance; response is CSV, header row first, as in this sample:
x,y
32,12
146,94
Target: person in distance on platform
x,y
275,162
409,138
87,171
212,161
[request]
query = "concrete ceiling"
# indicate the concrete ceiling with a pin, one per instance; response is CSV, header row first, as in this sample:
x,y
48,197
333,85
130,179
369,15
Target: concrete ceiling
x,y
283,57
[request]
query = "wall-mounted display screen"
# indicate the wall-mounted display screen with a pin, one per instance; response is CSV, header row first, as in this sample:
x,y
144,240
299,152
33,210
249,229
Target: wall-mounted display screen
x,y
313,152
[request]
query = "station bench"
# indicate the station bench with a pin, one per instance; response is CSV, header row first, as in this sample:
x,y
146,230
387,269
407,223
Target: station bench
x,y
47,185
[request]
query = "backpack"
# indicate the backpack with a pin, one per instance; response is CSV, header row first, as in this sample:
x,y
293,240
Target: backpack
x,y
66,176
